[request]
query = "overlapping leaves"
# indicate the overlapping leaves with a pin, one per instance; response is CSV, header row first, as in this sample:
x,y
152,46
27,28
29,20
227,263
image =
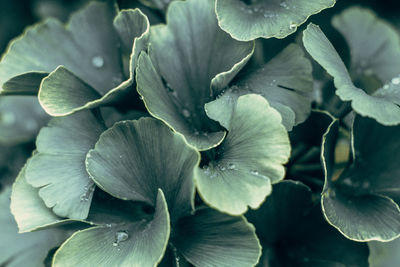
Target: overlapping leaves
x,y
363,202
293,232
249,160
126,152
90,62
176,85
382,104
248,20
143,212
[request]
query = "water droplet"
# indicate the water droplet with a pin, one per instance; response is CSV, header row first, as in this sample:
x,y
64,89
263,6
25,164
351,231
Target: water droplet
x,y
231,166
386,86
207,171
186,113
292,25
215,174
141,98
268,15
84,197
120,236
98,62
7,118
108,225
284,5
169,89
396,80
222,168
88,192
254,172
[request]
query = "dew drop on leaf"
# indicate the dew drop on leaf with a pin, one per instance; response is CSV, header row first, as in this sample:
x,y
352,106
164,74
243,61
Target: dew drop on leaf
x,y
396,80
292,26
98,62
254,172
88,191
284,5
207,171
231,166
120,236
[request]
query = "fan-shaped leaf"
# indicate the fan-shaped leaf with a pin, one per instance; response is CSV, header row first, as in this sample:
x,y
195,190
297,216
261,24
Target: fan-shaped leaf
x,y
360,203
58,168
135,158
201,61
217,240
251,157
247,21
136,243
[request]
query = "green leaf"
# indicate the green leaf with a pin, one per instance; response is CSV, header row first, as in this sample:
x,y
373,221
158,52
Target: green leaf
x,y
135,158
374,44
363,218
251,158
201,61
210,238
21,118
80,94
28,249
58,168
32,214
133,29
136,243
285,81
383,105
360,203
29,210
26,83
89,36
162,105
293,232
94,71
249,20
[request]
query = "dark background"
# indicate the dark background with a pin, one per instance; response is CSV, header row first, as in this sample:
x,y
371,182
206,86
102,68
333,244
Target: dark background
x,y
15,15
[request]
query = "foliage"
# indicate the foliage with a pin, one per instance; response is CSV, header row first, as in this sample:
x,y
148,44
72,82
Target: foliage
x,y
167,133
